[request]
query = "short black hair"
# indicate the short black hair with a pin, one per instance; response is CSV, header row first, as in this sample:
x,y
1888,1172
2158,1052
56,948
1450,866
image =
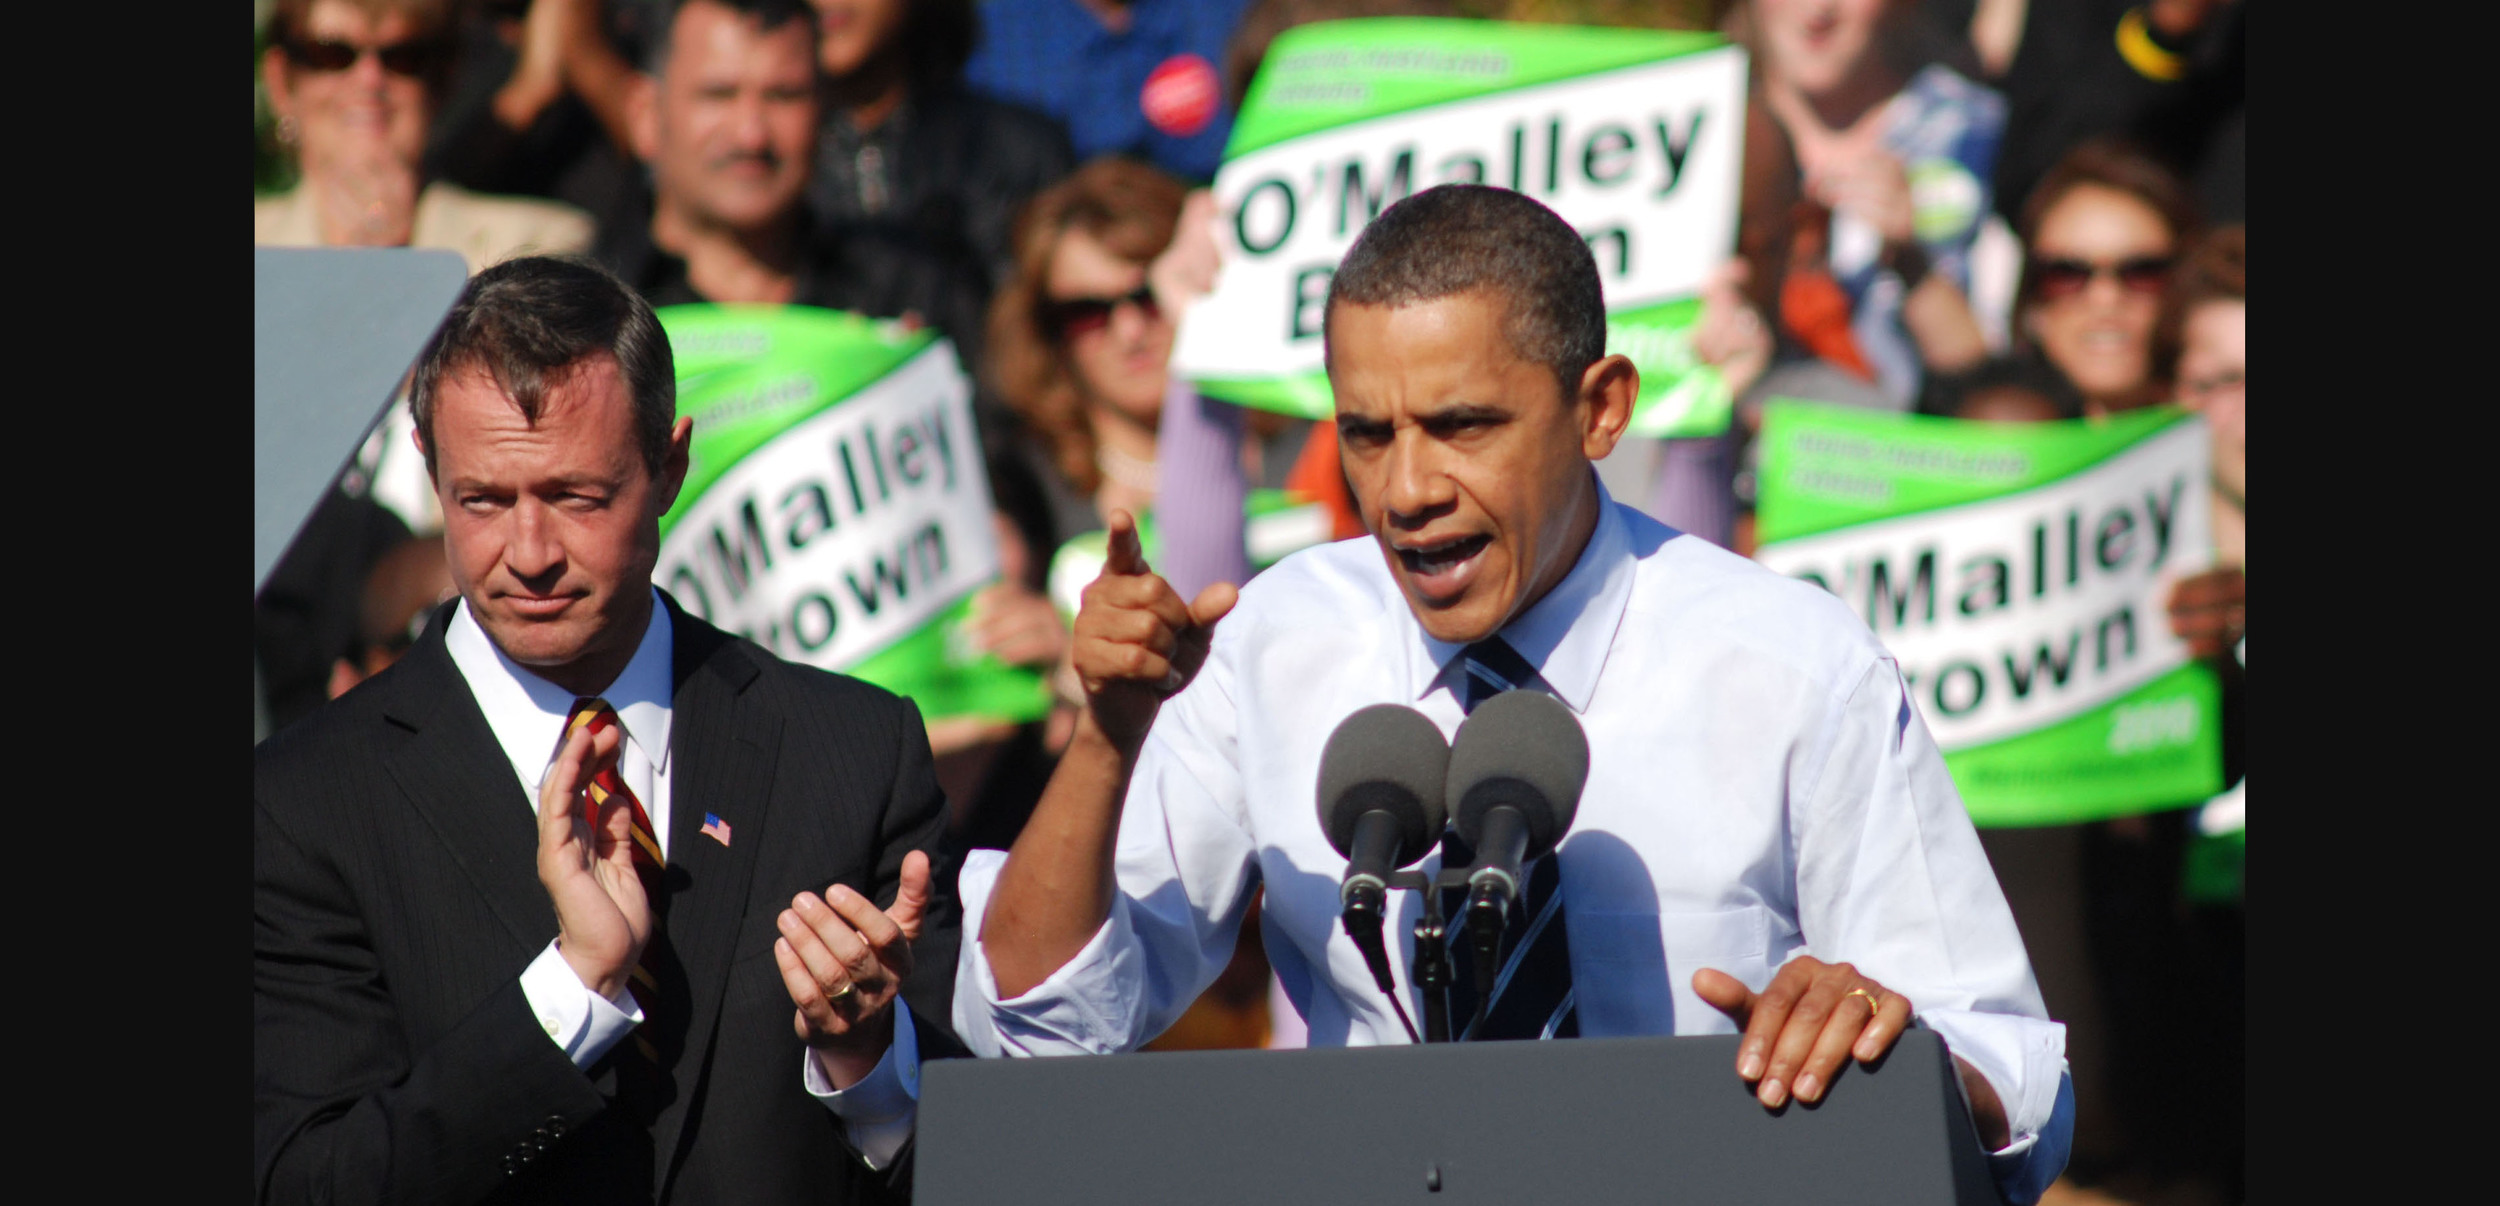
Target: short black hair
x,y
527,321
1947,393
769,15
1457,238
938,37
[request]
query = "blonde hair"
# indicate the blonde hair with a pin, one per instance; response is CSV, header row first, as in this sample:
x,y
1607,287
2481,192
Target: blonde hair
x,y
426,18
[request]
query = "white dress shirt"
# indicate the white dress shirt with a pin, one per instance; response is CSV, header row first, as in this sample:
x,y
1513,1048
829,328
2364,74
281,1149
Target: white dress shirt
x,y
527,715
1759,788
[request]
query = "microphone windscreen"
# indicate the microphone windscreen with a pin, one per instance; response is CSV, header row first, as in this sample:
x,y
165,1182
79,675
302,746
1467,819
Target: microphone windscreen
x,y
1524,749
1387,757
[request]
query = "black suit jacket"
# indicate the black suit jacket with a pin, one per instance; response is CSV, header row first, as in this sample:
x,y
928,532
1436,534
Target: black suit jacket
x,y
396,902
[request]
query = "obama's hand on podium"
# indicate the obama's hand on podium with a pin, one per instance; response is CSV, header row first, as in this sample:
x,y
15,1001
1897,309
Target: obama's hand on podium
x,y
1814,1017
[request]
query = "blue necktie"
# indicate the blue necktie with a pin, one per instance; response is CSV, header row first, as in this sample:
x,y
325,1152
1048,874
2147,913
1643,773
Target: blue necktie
x,y
1531,995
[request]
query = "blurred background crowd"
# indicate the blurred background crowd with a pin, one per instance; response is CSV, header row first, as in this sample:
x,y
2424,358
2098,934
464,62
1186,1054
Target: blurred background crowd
x,y
2001,210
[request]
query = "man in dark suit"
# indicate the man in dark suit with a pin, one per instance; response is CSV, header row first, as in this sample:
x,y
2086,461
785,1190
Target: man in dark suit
x,y
643,1008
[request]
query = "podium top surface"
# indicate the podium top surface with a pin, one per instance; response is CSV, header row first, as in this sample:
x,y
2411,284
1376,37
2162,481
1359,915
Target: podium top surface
x,y
1580,1121
333,331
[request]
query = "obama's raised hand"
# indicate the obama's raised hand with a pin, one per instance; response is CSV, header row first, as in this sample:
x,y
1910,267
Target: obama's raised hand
x,y
1137,644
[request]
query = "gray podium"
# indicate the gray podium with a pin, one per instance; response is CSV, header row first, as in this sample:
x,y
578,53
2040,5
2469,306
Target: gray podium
x,y
333,331
1592,1121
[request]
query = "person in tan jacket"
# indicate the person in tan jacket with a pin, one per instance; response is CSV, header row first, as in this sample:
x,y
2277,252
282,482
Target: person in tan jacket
x,y
355,84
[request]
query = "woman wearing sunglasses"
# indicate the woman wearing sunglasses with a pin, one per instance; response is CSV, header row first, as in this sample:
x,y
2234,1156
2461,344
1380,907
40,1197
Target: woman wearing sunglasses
x,y
1079,336
2102,231
355,85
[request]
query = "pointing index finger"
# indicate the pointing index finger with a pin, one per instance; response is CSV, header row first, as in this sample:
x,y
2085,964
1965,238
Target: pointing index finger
x,y
1126,555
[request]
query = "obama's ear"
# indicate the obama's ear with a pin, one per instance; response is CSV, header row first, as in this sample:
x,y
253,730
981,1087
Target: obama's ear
x,y
1608,389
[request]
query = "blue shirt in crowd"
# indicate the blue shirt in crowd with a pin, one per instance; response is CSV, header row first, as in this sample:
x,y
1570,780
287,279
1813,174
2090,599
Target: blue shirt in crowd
x,y
1945,130
1155,91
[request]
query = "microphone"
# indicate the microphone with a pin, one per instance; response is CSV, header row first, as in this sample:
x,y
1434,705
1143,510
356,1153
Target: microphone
x,y
1516,770
1381,779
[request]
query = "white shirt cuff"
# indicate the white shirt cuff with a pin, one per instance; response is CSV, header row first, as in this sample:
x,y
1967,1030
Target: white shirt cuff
x,y
2023,1058
575,1018
1084,1008
878,1112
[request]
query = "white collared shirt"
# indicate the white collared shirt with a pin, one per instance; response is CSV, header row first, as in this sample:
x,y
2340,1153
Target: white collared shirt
x,y
527,715
1759,788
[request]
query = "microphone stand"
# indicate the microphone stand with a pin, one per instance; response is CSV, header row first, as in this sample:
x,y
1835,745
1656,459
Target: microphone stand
x,y
1433,972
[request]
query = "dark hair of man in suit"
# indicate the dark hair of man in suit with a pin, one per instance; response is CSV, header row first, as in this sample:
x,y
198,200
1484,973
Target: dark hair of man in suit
x,y
527,320
1458,238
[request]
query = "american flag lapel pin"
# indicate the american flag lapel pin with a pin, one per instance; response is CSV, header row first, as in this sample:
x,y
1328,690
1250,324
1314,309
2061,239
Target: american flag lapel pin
x,y
715,828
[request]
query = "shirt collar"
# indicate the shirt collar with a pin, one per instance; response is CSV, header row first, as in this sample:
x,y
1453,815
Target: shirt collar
x,y
1566,635
527,713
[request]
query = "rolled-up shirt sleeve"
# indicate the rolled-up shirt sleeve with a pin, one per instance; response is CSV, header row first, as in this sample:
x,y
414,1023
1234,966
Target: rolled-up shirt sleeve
x,y
1891,878
1185,865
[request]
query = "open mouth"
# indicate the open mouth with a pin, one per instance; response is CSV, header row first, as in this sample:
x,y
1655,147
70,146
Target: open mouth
x,y
1442,568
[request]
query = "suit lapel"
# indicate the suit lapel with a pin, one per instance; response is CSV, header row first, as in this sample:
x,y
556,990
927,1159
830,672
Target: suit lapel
x,y
454,775
725,745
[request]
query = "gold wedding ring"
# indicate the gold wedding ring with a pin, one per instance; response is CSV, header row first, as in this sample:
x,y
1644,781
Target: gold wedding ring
x,y
846,990
1872,1005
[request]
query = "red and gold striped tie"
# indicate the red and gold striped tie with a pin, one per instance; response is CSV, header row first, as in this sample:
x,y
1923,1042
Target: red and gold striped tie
x,y
608,784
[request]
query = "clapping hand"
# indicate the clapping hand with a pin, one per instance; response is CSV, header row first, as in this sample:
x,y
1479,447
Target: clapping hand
x,y
843,961
586,863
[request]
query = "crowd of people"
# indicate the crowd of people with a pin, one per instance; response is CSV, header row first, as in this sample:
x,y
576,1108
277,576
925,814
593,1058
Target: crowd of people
x,y
1994,210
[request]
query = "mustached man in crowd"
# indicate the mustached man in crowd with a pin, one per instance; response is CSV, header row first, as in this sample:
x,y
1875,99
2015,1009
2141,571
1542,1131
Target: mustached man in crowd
x,y
726,115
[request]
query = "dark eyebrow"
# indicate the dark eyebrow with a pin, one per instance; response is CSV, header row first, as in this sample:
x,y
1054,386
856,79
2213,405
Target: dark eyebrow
x,y
577,481
1462,412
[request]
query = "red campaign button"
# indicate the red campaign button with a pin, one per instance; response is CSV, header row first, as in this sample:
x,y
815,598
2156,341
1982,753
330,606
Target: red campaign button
x,y
1179,97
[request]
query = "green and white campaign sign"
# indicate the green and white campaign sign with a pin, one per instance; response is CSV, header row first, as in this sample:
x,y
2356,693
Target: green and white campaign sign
x,y
1634,136
2020,574
837,511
